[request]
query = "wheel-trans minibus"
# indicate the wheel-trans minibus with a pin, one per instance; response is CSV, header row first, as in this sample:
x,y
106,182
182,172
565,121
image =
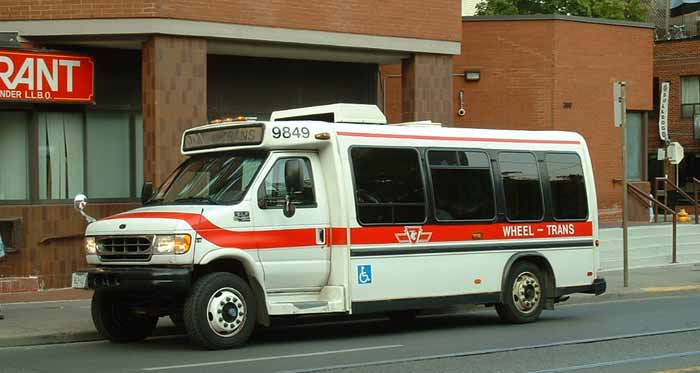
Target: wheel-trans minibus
x,y
328,210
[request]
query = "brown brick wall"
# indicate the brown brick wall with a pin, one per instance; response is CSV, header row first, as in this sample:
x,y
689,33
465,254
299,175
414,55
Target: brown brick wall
x,y
423,19
672,60
516,63
53,245
426,86
529,69
174,99
589,58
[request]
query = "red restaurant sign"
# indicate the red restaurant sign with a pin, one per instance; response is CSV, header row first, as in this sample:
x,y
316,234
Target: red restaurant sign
x,y
46,77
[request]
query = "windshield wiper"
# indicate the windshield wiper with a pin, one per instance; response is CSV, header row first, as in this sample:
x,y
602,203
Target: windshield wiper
x,y
153,200
197,199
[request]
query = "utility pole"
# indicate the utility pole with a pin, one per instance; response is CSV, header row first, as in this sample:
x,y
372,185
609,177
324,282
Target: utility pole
x,y
620,112
667,18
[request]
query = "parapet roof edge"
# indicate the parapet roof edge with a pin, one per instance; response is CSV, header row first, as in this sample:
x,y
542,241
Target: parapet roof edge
x,y
559,17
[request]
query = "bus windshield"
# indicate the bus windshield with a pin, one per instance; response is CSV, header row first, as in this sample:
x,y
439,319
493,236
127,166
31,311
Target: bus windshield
x,y
217,178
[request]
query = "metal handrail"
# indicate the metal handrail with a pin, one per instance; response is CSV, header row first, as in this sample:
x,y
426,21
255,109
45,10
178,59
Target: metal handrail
x,y
695,194
658,188
685,195
642,194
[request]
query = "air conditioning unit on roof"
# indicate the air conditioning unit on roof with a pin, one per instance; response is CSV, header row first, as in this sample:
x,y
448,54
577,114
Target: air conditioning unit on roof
x,y
334,113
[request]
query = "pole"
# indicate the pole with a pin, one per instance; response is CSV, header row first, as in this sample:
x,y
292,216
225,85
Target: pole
x,y
667,18
625,217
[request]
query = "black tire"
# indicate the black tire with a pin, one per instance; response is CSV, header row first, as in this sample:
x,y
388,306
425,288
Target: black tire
x,y
527,306
116,322
218,288
402,317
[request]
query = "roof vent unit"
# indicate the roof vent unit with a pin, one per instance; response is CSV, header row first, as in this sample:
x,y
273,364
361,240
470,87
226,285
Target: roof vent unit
x,y
334,113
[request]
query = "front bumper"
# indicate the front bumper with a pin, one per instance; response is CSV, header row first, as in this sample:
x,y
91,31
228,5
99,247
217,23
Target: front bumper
x,y
597,287
137,279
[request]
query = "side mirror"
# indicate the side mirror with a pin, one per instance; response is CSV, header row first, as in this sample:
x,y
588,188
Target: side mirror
x,y
293,176
289,209
79,203
146,191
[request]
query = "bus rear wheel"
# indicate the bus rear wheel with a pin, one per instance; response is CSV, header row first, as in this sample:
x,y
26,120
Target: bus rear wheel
x,y
220,311
523,294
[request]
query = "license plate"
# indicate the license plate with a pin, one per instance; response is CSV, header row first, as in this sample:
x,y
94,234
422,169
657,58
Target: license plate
x,y
79,280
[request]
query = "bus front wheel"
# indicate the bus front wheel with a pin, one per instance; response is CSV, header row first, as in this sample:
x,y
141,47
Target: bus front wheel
x,y
523,294
220,311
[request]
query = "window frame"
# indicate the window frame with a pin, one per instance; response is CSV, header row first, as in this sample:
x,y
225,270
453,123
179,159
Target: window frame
x,y
549,187
261,187
33,111
31,144
694,104
432,185
503,188
421,167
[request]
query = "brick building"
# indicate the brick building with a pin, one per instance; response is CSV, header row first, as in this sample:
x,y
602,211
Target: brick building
x,y
678,62
159,67
555,73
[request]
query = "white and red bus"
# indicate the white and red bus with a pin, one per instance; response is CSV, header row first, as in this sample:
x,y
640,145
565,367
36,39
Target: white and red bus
x,y
329,210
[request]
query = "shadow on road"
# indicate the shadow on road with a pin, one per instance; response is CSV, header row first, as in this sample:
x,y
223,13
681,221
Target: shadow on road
x,y
316,328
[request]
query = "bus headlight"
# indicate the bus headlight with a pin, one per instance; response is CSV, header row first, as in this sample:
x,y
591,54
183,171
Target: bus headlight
x,y
173,244
90,245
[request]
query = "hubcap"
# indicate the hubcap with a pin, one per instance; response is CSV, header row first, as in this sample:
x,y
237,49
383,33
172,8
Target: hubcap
x,y
226,312
526,292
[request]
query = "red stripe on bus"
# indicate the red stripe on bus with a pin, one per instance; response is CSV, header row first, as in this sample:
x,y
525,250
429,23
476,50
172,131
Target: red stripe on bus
x,y
301,237
453,138
246,240
468,232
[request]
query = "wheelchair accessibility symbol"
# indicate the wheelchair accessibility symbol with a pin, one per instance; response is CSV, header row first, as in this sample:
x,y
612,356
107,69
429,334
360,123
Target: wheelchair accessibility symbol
x,y
364,274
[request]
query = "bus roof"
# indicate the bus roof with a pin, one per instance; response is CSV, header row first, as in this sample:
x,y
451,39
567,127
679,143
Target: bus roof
x,y
314,134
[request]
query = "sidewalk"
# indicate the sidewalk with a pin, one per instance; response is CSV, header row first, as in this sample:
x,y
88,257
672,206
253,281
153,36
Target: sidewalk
x,y
647,282
58,316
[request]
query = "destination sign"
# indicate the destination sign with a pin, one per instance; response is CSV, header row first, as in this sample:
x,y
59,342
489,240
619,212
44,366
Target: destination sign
x,y
223,137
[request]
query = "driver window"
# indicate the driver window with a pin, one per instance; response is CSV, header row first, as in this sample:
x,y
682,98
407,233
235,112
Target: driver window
x,y
275,189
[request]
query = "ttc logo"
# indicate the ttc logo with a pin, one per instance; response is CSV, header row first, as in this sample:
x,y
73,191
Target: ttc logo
x,y
413,235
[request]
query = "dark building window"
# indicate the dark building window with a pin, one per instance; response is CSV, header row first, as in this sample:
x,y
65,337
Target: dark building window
x,y
462,185
388,186
567,186
521,186
690,96
14,155
96,152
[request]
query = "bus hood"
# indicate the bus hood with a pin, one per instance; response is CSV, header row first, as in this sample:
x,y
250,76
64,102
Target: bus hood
x,y
154,219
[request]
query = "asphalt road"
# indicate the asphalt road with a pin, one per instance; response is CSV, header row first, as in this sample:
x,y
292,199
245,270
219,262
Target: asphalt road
x,y
654,334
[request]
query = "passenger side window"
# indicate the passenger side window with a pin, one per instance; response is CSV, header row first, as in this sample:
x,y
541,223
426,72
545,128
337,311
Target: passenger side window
x,y
462,185
521,186
567,186
274,189
388,186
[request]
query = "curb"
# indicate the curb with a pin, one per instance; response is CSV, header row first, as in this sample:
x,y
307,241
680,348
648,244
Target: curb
x,y
635,293
46,339
85,336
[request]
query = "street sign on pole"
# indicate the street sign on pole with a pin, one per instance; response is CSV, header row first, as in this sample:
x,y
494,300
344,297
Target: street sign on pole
x,y
675,153
663,111
620,106
619,103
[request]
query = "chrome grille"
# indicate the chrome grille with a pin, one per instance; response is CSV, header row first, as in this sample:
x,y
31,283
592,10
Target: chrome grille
x,y
124,248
